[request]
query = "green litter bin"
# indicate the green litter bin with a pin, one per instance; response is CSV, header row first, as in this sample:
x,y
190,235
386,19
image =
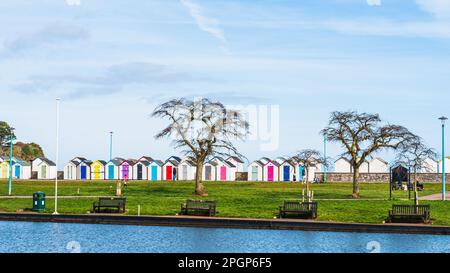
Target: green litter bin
x,y
39,201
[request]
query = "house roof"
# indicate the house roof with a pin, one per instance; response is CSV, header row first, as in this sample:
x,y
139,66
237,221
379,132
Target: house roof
x,y
146,158
274,163
264,160
189,162
116,161
288,161
258,162
157,162
130,162
380,159
235,158
346,159
143,162
47,161
174,158
172,161
103,162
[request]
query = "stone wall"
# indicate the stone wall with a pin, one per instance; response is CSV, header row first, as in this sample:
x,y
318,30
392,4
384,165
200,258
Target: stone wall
x,y
379,177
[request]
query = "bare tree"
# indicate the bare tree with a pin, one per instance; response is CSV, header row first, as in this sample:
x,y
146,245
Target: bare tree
x,y
362,135
415,155
309,158
203,129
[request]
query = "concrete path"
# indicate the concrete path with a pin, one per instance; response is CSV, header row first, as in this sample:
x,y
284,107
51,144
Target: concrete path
x,y
49,197
435,197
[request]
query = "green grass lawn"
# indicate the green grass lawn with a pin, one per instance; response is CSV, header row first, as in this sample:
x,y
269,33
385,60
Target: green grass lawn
x,y
235,199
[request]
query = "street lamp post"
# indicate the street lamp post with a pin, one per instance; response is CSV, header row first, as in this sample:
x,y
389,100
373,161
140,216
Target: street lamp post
x,y
10,160
110,145
443,119
325,158
57,156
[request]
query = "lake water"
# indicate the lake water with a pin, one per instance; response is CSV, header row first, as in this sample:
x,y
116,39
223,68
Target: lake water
x,y
25,237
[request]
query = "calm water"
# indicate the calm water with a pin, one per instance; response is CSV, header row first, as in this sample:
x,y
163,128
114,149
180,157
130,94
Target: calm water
x,y
53,237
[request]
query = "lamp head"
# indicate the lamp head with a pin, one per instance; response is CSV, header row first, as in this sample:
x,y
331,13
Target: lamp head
x,y
443,119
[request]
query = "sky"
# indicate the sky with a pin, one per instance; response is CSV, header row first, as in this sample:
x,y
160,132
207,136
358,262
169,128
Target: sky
x,y
112,62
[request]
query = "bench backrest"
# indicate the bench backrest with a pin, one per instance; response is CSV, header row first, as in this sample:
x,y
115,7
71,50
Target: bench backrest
x,y
112,201
410,209
298,205
200,204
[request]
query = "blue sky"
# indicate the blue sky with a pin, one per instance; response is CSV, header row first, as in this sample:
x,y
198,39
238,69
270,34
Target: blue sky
x,y
113,61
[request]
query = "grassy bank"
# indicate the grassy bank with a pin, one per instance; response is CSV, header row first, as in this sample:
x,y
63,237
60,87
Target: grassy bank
x,y
235,199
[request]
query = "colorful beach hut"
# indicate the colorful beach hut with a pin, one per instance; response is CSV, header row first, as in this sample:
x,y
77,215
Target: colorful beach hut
x,y
225,170
209,171
112,168
140,171
84,170
98,170
126,169
170,168
287,171
256,171
155,170
21,169
271,171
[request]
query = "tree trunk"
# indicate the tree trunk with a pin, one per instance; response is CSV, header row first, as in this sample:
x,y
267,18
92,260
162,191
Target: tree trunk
x,y
308,195
199,188
355,182
416,194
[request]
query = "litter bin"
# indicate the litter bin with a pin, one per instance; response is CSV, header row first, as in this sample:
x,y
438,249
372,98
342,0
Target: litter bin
x,y
39,201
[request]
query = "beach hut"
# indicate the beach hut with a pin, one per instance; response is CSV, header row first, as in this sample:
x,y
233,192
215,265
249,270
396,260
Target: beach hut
x,y
84,170
155,170
140,171
255,171
21,169
378,165
236,161
70,170
287,171
4,169
429,165
112,168
447,165
342,165
209,171
188,169
271,171
225,170
126,169
98,170
170,168
45,168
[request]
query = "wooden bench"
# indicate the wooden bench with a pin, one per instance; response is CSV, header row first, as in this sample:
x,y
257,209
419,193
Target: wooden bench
x,y
109,203
298,209
199,208
409,214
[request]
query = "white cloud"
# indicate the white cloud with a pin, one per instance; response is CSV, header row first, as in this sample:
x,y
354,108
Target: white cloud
x,y
439,8
206,24
374,2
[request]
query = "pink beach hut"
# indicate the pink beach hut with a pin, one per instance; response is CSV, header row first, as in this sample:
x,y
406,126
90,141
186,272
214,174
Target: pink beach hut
x,y
271,170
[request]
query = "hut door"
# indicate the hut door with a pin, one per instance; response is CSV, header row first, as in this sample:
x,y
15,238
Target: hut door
x,y
44,171
97,172
169,175
83,172
125,171
111,172
270,173
208,172
223,173
185,173
287,171
301,170
154,173
255,173
17,172
4,171
139,172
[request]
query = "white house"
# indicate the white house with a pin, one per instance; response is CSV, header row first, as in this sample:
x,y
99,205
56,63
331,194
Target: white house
x,y
140,169
21,169
170,168
342,165
112,168
378,165
447,165
155,170
429,165
271,171
225,170
236,161
210,171
256,171
287,171
187,169
70,170
45,168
